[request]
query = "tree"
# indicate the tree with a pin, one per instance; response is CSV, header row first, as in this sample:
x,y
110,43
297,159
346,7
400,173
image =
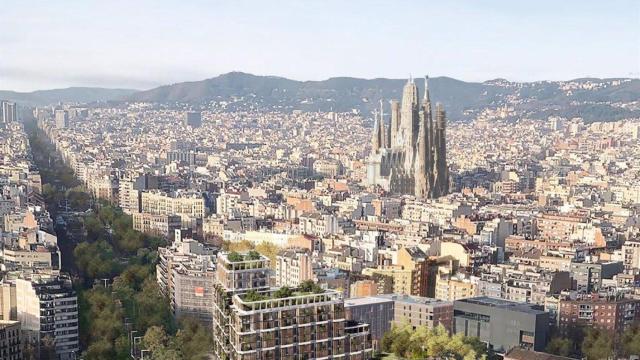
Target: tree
x,y
631,341
152,308
234,257
193,340
283,292
100,349
597,345
423,343
155,338
269,250
559,346
95,260
310,286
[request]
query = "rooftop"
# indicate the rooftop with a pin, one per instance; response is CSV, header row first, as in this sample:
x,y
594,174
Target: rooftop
x,y
503,304
366,300
413,299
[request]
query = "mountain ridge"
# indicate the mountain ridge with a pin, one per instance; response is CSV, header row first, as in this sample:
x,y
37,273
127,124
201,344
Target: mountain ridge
x,y
79,94
593,99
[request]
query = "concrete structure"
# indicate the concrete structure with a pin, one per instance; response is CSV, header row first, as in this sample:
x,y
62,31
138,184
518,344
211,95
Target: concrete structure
x,y
185,273
62,119
189,206
193,119
8,112
373,310
47,307
361,288
293,266
159,225
421,311
609,314
449,288
10,340
252,321
631,255
502,324
588,276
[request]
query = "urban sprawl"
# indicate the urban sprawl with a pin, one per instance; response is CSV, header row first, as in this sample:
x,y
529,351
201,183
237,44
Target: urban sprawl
x,y
316,235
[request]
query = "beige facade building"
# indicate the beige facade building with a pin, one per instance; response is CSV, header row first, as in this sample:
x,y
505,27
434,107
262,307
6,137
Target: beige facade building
x,y
454,288
293,266
159,225
187,206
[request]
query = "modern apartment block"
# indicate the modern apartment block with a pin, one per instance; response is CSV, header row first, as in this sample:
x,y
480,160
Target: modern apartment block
x,y
377,311
502,324
421,311
47,307
185,273
255,322
10,340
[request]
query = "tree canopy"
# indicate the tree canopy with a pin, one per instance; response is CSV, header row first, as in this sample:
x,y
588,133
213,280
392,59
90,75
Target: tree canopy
x,y
424,343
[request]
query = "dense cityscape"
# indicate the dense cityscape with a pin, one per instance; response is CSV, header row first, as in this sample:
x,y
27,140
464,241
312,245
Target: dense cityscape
x,y
170,232
320,180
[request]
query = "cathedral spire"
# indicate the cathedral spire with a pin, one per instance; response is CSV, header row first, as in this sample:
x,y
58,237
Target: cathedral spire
x,y
382,131
426,89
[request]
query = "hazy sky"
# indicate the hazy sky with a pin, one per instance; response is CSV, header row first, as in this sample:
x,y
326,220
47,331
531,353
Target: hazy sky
x,y
142,44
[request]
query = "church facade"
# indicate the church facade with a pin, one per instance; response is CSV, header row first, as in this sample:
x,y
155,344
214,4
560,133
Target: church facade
x,y
409,155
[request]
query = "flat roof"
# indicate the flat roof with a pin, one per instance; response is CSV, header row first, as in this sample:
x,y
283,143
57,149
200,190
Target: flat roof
x,y
503,304
365,300
414,299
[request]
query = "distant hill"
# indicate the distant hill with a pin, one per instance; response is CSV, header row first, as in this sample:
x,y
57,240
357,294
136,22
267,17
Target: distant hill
x,y
72,94
338,94
462,100
590,98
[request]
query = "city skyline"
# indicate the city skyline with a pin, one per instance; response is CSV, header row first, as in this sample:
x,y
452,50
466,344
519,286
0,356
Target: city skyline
x,y
319,180
131,46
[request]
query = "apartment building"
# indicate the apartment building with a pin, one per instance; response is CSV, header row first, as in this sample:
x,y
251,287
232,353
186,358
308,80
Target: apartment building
x,y
421,311
293,266
377,311
631,255
610,314
588,276
10,340
449,288
158,225
187,205
47,307
253,321
185,273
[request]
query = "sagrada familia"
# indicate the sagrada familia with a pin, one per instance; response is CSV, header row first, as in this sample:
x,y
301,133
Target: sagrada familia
x,y
409,156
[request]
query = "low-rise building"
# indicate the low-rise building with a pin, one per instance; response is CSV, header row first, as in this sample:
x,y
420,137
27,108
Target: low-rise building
x,y
502,324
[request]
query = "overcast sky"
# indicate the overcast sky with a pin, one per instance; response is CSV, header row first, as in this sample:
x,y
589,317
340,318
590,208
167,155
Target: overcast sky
x,y
141,44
